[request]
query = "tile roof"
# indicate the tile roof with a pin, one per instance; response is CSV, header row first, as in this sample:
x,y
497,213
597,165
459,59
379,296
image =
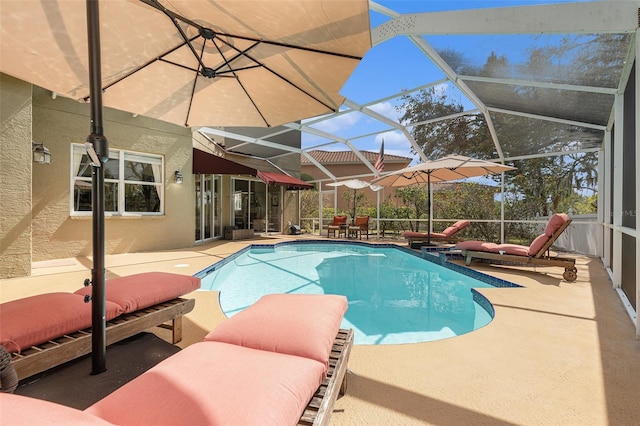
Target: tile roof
x,y
347,157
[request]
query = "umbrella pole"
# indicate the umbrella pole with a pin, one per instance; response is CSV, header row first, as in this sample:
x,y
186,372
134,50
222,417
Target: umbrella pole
x,y
353,219
98,143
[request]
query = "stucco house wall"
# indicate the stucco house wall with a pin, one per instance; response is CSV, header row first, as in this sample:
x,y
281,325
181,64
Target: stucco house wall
x,y
15,177
35,205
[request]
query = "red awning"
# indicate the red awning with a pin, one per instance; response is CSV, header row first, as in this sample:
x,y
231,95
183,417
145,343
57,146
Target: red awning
x,y
283,180
209,164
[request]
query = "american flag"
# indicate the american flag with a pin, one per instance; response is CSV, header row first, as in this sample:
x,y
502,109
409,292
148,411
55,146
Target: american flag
x,y
379,164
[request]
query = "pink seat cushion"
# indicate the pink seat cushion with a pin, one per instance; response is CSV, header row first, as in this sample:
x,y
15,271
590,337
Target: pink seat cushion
x,y
555,222
476,246
459,225
296,324
413,234
514,249
22,410
37,319
537,244
140,291
211,383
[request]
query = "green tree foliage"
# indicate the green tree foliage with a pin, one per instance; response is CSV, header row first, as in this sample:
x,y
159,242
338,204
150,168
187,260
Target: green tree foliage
x,y
467,200
414,204
542,184
440,138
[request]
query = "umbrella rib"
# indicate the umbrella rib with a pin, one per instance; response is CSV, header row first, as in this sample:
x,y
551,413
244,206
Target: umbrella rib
x,y
193,89
143,66
292,84
174,19
173,15
248,56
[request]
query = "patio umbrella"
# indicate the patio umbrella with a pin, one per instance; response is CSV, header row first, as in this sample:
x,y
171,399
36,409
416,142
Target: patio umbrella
x,y
193,62
189,62
356,184
448,168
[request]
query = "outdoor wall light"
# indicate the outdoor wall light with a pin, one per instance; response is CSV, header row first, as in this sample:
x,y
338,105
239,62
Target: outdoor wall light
x,y
41,153
178,176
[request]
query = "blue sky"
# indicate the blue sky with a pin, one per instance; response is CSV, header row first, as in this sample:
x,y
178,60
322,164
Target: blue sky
x,y
398,65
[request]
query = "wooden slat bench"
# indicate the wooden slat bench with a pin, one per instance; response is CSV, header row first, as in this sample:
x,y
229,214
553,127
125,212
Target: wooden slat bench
x,y
42,357
257,367
319,409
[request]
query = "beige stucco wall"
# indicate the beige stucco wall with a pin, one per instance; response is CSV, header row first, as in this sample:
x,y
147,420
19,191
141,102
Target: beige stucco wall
x,y
60,122
15,177
35,215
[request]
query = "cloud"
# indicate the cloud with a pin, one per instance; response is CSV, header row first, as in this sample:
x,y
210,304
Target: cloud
x,y
387,109
340,122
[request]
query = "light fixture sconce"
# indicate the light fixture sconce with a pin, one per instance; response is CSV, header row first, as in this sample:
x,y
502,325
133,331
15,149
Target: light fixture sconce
x,y
178,176
41,153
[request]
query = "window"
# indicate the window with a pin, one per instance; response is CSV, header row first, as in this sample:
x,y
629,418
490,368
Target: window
x,y
133,183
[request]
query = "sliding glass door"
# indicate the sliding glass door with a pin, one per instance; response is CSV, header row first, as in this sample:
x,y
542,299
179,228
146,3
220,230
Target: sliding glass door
x,y
207,207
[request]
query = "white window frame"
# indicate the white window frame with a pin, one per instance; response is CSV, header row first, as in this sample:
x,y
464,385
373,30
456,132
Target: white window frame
x,y
121,182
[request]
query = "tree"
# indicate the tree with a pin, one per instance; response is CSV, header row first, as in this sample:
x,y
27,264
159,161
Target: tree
x,y
415,204
541,185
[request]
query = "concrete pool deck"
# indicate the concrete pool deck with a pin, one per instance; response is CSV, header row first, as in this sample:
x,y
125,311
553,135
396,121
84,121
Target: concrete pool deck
x,y
557,353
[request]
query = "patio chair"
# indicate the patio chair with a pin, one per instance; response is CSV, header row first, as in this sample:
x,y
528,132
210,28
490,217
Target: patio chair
x,y
360,226
448,235
338,225
535,254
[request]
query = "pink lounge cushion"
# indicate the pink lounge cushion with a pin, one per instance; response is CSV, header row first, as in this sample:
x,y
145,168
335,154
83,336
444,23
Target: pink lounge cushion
x,y
211,383
459,225
296,324
476,246
22,410
37,319
514,249
555,222
413,234
537,244
140,291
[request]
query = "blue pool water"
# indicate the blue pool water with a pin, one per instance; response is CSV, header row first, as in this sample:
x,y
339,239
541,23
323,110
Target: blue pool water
x,y
395,296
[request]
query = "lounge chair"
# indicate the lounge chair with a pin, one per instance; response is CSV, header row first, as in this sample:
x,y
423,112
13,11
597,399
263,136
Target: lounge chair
x,y
338,225
535,254
282,361
448,235
360,226
49,329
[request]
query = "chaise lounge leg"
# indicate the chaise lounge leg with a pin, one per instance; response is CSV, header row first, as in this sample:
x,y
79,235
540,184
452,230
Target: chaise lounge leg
x,y
468,260
343,385
176,329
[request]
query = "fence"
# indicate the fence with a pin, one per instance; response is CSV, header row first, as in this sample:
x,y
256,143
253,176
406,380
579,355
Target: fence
x,y
583,236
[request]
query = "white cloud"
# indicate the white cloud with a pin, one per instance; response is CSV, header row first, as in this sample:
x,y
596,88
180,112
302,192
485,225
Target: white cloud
x,y
340,122
387,109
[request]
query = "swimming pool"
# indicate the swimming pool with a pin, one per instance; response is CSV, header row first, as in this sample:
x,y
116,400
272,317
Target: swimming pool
x,y
395,295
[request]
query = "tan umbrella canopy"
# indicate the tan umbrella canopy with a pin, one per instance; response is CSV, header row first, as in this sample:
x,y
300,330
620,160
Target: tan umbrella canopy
x,y
448,168
356,184
193,62
189,62
451,167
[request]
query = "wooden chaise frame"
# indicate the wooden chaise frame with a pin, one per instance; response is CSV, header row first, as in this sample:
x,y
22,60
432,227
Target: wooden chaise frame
x,y
37,359
319,409
541,257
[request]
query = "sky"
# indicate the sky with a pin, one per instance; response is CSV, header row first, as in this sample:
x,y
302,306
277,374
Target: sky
x,y
397,65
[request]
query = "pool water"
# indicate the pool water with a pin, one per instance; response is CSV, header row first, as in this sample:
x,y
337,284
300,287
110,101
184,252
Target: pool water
x,y
395,296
